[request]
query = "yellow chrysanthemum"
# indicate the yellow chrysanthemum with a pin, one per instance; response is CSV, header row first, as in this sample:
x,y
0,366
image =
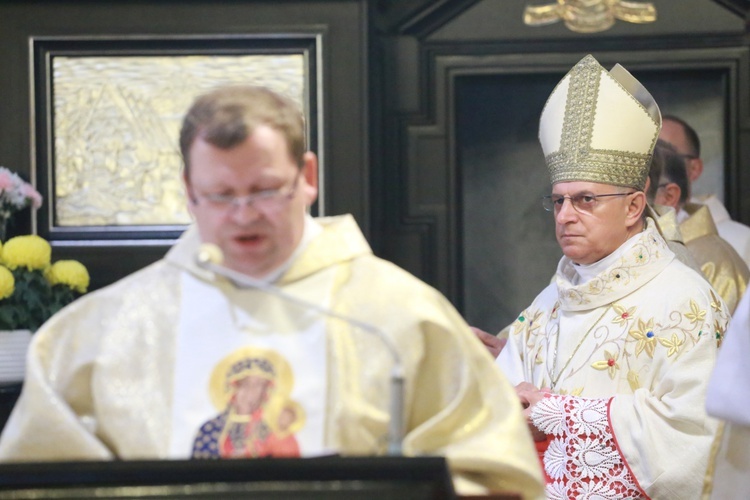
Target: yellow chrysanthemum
x,y
7,283
30,251
69,272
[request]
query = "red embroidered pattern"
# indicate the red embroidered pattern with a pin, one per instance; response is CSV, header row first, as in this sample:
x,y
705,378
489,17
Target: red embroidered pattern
x,y
582,459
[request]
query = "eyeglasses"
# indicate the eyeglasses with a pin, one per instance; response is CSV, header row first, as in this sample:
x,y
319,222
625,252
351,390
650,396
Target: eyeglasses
x,y
267,200
688,156
582,203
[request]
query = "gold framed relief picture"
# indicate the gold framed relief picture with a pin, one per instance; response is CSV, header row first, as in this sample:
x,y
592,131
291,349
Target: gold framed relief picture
x,y
107,114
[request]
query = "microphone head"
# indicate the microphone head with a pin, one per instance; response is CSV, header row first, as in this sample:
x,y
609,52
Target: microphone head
x,y
208,253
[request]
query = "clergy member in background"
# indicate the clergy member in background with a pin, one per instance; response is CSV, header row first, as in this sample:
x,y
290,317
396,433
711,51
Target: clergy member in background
x,y
719,262
728,475
612,359
175,357
685,140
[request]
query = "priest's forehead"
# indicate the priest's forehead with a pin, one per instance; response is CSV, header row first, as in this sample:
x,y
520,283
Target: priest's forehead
x,y
227,116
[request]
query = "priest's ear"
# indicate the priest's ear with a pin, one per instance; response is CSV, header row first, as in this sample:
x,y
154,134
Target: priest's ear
x,y
191,199
694,168
669,194
309,183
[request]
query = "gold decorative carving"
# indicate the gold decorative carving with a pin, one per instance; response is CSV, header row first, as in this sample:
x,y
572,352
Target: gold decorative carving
x,y
116,125
589,16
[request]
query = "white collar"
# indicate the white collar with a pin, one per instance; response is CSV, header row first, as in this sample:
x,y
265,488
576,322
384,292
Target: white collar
x,y
586,272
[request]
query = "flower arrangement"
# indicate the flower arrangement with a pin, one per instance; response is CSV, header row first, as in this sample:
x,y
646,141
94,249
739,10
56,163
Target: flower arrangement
x,y
31,288
15,194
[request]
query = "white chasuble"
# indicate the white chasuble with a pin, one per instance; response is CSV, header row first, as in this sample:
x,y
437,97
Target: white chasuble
x,y
159,359
250,372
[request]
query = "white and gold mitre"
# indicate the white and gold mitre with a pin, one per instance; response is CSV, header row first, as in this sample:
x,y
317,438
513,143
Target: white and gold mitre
x,y
599,126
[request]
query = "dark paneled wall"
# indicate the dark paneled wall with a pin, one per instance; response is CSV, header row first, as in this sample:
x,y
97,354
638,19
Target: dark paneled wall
x,y
461,170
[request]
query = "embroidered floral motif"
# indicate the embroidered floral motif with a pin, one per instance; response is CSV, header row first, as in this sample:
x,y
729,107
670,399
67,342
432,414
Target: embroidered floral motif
x,y
715,302
527,321
577,297
609,363
622,315
582,458
696,314
533,319
644,334
518,325
638,255
672,344
595,287
555,309
538,358
720,329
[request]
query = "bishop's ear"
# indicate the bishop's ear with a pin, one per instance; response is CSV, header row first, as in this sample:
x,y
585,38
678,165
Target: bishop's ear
x,y
637,205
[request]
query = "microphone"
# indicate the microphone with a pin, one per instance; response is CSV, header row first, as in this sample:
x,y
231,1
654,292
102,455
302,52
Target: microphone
x,y
210,258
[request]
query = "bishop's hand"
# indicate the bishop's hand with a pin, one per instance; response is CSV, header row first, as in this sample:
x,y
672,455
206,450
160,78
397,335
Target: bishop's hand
x,y
530,395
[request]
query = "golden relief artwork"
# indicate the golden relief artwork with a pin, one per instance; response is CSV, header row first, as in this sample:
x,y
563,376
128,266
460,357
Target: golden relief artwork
x,y
116,127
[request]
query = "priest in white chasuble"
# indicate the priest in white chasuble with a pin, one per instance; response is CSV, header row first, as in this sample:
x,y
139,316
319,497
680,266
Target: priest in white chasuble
x,y
612,358
177,361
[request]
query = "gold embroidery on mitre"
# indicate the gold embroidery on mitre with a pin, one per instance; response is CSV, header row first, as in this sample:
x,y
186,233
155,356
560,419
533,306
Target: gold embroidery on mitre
x,y
576,159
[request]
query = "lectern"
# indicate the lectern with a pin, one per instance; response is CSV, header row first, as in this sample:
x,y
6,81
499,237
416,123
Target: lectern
x,y
376,478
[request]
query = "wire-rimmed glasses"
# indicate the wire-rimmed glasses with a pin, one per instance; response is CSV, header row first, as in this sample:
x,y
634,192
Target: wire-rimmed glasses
x,y
267,200
583,203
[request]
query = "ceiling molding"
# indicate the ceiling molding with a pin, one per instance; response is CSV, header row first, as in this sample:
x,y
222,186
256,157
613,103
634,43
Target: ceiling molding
x,y
422,17
417,17
738,7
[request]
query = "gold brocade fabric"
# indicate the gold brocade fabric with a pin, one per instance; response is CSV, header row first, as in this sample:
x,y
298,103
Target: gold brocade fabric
x,y
100,373
719,262
666,222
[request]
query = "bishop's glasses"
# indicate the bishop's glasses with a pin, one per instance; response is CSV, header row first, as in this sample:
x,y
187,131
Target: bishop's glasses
x,y
582,203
